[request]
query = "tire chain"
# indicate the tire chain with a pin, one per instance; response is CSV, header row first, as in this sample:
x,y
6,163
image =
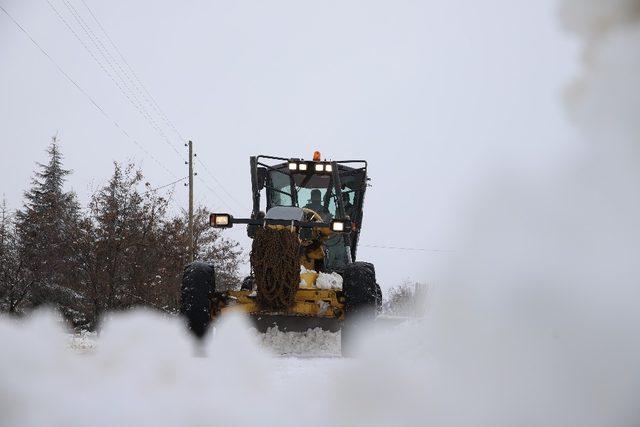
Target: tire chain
x,y
276,266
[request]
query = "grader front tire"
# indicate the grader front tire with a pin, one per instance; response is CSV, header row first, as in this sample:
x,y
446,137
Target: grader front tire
x,y
198,284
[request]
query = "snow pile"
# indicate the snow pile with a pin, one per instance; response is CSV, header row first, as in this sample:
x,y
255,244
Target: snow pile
x,y
83,342
322,280
314,342
147,370
143,372
329,281
307,278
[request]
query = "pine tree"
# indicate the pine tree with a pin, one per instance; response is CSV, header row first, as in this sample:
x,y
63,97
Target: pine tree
x,y
48,229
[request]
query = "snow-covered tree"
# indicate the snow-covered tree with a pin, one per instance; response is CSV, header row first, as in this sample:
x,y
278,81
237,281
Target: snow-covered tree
x,y
225,253
127,251
14,287
125,224
138,251
209,245
47,230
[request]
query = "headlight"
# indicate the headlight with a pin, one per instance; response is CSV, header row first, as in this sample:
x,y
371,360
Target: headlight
x,y
293,166
302,166
337,226
220,220
319,167
328,168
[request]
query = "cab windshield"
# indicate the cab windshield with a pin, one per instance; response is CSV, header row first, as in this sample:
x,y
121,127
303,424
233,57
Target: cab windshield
x,y
313,192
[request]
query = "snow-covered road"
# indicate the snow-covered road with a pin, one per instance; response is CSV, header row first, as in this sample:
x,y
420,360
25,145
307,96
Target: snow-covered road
x,y
144,369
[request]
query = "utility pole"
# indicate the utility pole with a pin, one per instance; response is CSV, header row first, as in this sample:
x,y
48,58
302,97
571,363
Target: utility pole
x,y
190,201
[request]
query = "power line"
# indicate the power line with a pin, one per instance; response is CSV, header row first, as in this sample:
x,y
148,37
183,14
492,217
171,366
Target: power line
x,y
203,201
406,249
123,76
73,82
102,50
214,192
167,185
127,84
206,169
123,69
122,90
151,101
127,80
149,98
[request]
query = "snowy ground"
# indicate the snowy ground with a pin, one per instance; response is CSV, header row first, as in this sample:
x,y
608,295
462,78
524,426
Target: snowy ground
x,y
149,371
144,369
296,354
314,343
83,342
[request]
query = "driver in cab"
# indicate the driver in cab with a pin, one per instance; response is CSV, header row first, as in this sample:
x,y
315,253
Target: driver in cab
x,y
315,204
312,252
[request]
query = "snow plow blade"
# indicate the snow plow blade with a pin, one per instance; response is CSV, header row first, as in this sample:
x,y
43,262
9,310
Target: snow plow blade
x,y
285,323
312,308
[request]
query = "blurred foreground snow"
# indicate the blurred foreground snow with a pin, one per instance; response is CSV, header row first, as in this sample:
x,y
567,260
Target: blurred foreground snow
x,y
312,343
83,342
144,369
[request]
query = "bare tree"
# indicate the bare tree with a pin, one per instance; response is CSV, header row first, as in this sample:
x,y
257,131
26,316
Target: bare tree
x,y
14,286
137,252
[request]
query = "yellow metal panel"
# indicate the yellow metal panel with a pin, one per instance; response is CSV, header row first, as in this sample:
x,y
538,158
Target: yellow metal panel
x,y
307,302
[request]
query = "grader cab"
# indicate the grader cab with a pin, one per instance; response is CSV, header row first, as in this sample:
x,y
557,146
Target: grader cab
x,y
305,224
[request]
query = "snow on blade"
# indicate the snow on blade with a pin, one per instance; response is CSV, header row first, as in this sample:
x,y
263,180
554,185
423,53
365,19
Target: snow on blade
x,y
314,342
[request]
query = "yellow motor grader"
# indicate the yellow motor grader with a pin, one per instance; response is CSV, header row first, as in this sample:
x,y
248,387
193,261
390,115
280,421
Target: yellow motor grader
x,y
305,225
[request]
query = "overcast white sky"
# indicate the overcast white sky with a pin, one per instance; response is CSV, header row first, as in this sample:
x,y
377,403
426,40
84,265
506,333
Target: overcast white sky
x,y
438,96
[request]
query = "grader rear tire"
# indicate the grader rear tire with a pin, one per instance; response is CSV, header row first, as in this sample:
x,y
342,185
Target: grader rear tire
x,y
198,284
